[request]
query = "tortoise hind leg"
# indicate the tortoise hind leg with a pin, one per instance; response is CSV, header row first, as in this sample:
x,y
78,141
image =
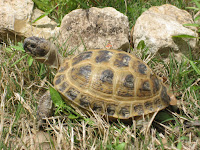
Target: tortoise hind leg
x,y
45,108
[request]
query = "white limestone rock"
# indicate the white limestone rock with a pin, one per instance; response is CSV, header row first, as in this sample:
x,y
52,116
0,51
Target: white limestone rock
x,y
94,28
16,17
157,25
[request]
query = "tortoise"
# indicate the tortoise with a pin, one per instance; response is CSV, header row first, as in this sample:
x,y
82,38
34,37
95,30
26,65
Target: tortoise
x,y
110,82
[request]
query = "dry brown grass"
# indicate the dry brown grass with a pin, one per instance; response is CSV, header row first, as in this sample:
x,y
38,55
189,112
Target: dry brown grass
x,y
21,86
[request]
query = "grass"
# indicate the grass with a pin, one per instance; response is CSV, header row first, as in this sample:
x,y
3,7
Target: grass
x,y
23,81
132,8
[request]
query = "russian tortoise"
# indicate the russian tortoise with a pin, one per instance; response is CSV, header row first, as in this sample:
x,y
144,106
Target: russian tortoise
x,y
110,82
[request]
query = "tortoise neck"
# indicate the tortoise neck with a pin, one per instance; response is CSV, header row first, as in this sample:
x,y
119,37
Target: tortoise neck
x,y
52,58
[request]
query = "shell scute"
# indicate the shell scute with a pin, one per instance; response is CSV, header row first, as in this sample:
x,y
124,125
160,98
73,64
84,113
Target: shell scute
x,y
164,96
63,86
81,75
81,57
64,67
60,78
156,84
111,109
122,60
142,68
158,103
103,56
71,93
144,88
85,101
104,81
129,81
125,85
149,106
97,106
138,109
107,76
125,112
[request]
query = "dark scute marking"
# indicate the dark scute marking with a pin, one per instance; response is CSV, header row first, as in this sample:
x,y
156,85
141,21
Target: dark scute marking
x,y
63,86
145,89
111,109
138,109
63,68
107,76
149,105
142,68
97,107
164,96
125,112
59,79
81,57
156,83
125,94
103,56
146,86
84,101
122,60
129,81
85,71
74,75
72,93
158,103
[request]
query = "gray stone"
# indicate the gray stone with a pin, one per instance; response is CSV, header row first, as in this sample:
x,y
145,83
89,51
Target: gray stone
x,y
94,28
16,18
157,25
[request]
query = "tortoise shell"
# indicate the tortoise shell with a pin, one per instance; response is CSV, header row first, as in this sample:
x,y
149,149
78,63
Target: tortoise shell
x,y
111,82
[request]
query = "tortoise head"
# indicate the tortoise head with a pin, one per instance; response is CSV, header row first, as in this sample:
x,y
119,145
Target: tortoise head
x,y
37,47
43,51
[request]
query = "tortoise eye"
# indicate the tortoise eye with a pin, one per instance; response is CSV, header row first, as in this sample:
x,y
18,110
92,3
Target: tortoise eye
x,y
33,46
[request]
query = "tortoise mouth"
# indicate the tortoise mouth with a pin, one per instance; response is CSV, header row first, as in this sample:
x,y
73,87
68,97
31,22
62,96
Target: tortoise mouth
x,y
37,58
40,59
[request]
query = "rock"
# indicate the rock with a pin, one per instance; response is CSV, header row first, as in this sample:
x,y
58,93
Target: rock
x,y
94,28
157,25
20,10
45,21
197,21
43,27
16,18
11,11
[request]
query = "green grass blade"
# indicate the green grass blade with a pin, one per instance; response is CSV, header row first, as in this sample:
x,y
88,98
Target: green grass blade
x,y
45,14
183,36
30,61
16,62
84,5
121,146
195,67
197,3
192,24
194,8
56,98
197,18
